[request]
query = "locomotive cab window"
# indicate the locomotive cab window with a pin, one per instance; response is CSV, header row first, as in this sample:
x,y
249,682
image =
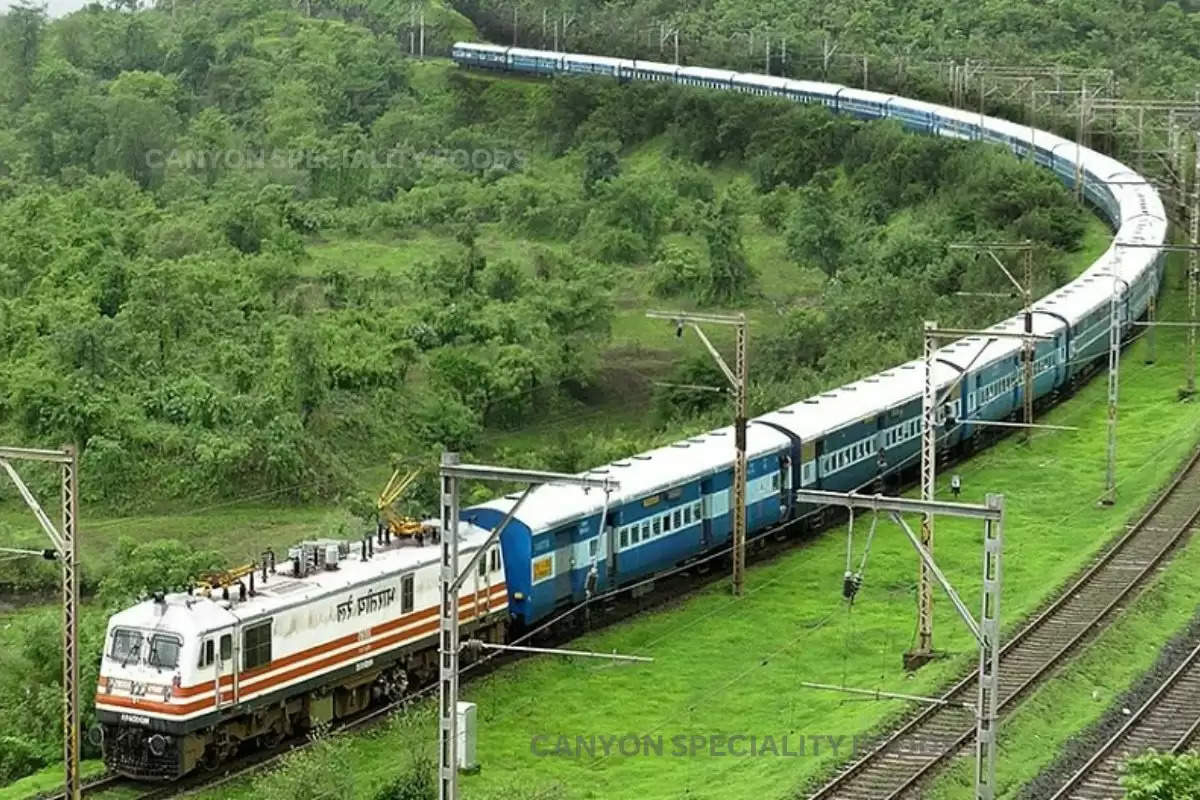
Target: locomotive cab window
x,y
256,645
227,647
207,653
164,651
495,559
126,646
482,567
406,594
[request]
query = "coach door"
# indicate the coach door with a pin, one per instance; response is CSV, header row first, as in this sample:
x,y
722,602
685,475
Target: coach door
x,y
224,665
706,513
564,556
482,586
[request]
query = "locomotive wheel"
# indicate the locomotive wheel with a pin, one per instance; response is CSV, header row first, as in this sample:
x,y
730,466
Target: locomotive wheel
x,y
211,760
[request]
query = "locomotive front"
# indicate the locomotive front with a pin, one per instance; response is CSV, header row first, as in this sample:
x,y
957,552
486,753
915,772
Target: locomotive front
x,y
148,675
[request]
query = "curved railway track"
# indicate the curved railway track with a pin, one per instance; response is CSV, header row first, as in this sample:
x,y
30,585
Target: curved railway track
x,y
896,765
1168,721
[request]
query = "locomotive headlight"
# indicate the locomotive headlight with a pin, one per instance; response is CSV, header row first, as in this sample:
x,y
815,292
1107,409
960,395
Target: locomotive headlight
x,y
158,744
518,595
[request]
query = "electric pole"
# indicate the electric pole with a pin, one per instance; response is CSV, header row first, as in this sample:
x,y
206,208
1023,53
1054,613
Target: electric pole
x,y
1114,364
1193,267
451,580
65,550
931,402
738,383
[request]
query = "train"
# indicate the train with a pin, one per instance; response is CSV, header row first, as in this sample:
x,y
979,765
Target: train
x,y
188,678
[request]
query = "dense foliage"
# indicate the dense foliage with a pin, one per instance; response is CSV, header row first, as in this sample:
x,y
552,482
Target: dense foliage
x,y
189,198
1162,776
166,177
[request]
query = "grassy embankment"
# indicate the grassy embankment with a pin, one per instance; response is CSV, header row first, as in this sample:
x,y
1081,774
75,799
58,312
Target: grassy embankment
x,y
726,667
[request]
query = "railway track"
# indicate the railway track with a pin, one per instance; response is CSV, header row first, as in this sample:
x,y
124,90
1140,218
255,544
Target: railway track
x,y
895,766
1168,721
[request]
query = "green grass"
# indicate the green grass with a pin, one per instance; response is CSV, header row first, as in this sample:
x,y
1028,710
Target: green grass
x,y
733,666
50,781
1033,736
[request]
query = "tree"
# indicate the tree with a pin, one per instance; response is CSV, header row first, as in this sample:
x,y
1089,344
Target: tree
x,y
21,32
729,273
816,232
141,120
1162,776
600,164
310,374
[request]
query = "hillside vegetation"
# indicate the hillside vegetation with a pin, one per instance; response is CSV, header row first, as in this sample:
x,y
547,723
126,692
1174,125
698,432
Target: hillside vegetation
x,y
186,199
254,251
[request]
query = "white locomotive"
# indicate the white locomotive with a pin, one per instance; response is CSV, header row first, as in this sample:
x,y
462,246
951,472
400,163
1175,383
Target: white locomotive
x,y
187,678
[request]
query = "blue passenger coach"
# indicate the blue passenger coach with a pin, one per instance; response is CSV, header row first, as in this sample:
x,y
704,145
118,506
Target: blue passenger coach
x,y
564,545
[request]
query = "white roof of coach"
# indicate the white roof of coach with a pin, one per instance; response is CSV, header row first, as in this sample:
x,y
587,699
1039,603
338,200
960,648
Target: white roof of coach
x,y
708,74
551,506
530,53
655,66
491,48
607,61
765,81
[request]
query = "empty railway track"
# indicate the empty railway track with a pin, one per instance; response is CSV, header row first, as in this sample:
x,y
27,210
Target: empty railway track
x,y
900,762
1168,721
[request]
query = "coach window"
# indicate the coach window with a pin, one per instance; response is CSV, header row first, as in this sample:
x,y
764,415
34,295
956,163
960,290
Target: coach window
x,y
406,594
678,519
256,645
206,654
687,515
164,651
646,529
624,537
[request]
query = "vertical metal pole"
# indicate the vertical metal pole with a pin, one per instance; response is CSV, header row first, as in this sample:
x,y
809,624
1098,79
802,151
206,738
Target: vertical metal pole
x,y
448,644
676,45
1030,348
1114,363
989,654
739,469
865,71
1193,267
928,479
1032,116
422,34
70,599
1079,142
1141,145
1175,165
1150,329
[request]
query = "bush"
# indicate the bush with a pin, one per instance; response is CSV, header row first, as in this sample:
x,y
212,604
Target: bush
x,y
321,771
